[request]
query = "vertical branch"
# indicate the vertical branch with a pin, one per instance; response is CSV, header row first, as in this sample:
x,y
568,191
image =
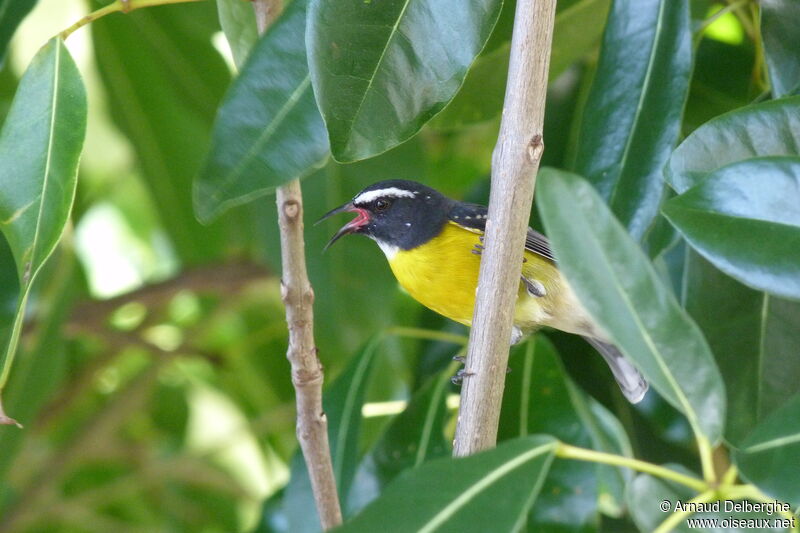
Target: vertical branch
x,y
515,162
298,297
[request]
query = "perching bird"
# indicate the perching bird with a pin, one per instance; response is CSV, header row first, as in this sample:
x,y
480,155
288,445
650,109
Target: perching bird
x,y
433,245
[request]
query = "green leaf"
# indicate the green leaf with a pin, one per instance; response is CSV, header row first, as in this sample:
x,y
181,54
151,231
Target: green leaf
x,y
11,14
576,32
646,494
238,21
40,145
754,337
607,435
771,128
489,491
383,69
342,403
619,287
481,97
414,436
744,219
165,80
770,456
268,129
633,115
540,398
781,37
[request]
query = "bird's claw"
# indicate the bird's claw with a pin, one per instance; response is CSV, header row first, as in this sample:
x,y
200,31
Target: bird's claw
x,y
459,376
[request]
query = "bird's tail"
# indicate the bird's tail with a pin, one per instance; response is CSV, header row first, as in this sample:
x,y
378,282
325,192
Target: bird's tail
x,y
630,380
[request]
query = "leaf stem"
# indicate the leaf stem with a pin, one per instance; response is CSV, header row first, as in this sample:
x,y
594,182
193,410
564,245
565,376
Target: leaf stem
x,y
741,14
706,459
427,334
679,516
751,492
126,6
567,451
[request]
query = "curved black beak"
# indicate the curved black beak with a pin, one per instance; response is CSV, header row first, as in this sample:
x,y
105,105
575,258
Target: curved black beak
x,y
348,228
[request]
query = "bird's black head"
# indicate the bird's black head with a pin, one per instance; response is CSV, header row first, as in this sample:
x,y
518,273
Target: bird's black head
x,y
395,213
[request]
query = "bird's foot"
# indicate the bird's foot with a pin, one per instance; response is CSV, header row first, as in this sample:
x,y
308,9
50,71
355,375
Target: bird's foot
x,y
459,376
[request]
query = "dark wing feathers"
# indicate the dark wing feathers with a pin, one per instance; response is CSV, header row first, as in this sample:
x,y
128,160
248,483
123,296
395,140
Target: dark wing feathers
x,y
538,244
473,216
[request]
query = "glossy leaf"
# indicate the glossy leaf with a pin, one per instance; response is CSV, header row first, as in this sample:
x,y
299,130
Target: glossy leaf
x,y
381,70
633,115
11,14
619,287
540,398
745,219
607,435
268,130
238,21
342,402
781,38
576,32
481,97
489,491
771,128
770,456
536,400
414,436
646,494
754,337
165,80
40,145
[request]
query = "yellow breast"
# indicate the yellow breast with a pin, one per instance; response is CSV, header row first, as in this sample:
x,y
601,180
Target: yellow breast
x,y
442,275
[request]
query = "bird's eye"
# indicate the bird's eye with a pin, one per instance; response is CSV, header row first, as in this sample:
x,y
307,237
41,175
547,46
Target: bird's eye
x,y
381,204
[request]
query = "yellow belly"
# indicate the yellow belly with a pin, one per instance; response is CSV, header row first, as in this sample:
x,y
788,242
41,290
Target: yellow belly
x,y
442,275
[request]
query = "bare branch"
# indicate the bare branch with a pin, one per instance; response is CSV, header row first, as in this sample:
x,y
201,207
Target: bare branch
x,y
298,297
514,165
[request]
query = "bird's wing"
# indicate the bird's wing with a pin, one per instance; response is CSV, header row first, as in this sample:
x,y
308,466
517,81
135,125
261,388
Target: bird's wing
x,y
473,218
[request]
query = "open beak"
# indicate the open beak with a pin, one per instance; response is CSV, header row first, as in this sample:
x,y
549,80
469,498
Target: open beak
x,y
350,227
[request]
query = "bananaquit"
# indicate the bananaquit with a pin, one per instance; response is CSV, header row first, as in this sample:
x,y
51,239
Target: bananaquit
x,y
433,245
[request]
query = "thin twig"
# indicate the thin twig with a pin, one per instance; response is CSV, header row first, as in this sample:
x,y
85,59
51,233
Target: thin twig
x,y
123,6
298,297
514,165
566,451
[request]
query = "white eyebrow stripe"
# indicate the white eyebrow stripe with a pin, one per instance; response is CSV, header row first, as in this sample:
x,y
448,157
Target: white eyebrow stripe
x,y
392,192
